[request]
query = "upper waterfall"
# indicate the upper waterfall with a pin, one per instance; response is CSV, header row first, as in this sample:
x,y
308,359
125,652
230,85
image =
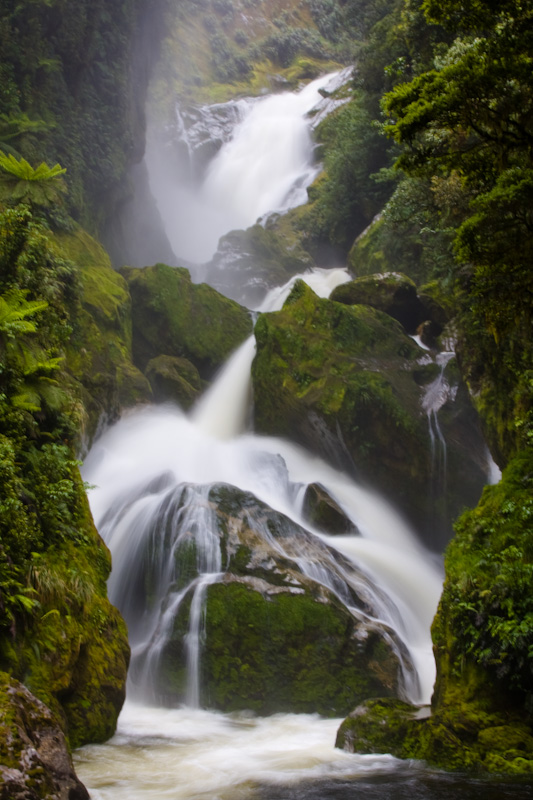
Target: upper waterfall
x,y
265,163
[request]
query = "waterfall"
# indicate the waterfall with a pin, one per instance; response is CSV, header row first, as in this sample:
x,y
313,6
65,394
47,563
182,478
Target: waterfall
x,y
265,164
155,473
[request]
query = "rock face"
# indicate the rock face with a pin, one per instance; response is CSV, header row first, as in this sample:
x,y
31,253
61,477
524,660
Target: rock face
x,y
171,316
99,354
347,381
288,624
35,762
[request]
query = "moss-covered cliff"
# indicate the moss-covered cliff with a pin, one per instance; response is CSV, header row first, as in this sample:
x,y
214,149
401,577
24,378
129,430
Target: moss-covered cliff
x,y
457,218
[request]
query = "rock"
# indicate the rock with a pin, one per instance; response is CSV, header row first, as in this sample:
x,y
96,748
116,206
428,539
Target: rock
x,y
174,379
174,317
391,292
343,381
34,755
322,510
249,263
290,624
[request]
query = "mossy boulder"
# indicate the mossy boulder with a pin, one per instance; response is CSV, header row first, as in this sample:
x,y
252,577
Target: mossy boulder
x,y
465,737
99,354
281,651
274,638
174,379
35,762
391,292
173,316
347,382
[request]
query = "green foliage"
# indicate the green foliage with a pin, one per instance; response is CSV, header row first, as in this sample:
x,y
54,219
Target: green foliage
x,y
289,41
21,183
489,568
348,196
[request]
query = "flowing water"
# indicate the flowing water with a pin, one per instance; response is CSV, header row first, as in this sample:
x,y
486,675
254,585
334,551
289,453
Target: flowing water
x,y
152,474
265,164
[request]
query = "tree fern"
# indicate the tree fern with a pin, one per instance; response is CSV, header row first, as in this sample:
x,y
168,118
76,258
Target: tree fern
x,y
21,183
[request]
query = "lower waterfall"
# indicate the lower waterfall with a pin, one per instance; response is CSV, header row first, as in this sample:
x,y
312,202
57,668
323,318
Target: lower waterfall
x,y
152,475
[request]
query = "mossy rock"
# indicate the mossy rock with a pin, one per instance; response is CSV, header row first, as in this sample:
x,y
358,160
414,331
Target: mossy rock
x,y
99,355
343,381
175,317
391,292
287,652
325,513
276,639
35,762
174,379
463,738
74,654
248,263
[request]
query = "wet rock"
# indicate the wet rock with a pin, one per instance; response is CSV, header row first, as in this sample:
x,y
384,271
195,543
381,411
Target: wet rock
x,y
249,263
173,316
35,759
324,512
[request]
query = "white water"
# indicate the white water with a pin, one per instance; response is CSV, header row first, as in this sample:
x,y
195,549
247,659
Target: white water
x,y
266,166
180,754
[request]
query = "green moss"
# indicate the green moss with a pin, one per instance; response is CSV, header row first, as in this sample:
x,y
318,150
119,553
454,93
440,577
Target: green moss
x,y
173,316
99,351
285,652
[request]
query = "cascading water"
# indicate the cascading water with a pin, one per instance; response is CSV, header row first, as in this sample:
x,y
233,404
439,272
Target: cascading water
x,y
154,474
265,164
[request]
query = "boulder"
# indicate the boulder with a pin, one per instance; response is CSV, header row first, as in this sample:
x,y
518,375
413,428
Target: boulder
x,y
347,382
391,292
35,762
325,513
173,316
174,379
288,624
248,263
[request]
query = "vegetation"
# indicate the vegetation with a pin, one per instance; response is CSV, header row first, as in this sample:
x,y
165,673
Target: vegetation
x,y
461,117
